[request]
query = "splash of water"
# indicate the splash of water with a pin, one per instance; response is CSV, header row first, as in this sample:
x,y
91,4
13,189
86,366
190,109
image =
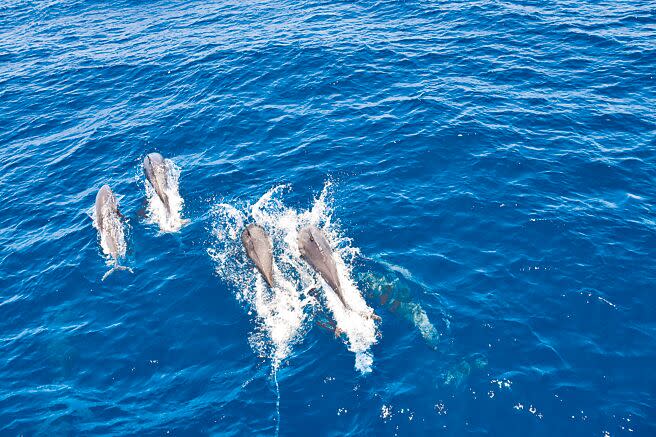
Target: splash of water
x,y
156,212
279,311
283,311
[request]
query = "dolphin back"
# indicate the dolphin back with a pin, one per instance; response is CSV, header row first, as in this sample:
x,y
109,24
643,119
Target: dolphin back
x,y
155,170
316,251
258,248
105,203
108,222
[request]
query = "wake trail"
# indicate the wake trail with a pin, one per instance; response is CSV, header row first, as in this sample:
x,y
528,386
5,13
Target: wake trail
x,y
275,379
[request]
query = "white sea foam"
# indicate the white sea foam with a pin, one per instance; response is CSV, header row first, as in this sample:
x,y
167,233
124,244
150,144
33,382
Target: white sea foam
x,y
156,213
283,312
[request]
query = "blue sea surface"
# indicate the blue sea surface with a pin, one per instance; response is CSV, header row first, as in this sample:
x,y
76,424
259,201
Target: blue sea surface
x,y
490,164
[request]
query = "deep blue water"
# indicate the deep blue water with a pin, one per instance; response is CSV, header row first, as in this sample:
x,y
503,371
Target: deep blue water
x,y
497,158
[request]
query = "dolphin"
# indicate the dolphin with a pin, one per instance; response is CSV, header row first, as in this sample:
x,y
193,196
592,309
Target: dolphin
x,y
156,172
258,247
316,251
394,293
110,227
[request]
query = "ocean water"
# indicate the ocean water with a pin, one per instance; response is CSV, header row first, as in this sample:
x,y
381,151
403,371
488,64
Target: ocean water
x,y
485,172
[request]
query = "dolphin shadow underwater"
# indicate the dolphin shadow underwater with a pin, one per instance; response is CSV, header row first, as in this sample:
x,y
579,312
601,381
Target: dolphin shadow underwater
x,y
395,293
399,294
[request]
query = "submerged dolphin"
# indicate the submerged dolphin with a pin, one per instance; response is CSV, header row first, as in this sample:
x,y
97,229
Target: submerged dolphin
x,y
156,172
110,227
316,251
393,292
258,247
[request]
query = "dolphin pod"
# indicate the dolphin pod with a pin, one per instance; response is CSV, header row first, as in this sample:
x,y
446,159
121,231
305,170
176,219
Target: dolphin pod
x,y
313,247
108,218
312,243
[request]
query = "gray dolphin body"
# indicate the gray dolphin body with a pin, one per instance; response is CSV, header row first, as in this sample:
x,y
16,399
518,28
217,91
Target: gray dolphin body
x,y
156,173
316,251
106,217
258,247
110,226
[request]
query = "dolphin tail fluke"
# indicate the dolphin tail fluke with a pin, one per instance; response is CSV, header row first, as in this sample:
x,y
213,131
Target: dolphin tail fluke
x,y
115,268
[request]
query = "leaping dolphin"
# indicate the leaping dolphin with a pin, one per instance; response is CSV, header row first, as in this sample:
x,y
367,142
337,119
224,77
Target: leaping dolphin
x,y
258,247
316,251
110,227
156,172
